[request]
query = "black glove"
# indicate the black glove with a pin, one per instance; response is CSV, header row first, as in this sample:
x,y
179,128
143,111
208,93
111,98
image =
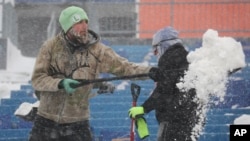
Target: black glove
x,y
156,74
106,87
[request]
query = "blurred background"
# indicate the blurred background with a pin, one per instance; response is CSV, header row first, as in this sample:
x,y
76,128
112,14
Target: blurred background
x,y
128,22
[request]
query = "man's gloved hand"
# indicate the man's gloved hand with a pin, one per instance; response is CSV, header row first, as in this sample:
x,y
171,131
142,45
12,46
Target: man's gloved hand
x,y
142,127
155,74
106,87
68,85
136,112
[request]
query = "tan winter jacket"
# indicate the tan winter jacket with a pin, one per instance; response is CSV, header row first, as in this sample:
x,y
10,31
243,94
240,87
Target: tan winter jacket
x,y
56,60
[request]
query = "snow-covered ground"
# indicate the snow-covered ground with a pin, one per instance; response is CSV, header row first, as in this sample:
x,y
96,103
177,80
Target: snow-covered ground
x,y
210,64
18,71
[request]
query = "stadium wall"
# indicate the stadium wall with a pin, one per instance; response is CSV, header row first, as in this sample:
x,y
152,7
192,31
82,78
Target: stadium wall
x,y
193,17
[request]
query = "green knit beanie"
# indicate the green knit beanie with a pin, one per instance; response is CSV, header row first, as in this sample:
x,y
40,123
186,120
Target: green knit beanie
x,y
70,16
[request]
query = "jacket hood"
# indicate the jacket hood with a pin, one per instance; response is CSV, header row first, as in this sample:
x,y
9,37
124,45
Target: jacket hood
x,y
165,38
93,38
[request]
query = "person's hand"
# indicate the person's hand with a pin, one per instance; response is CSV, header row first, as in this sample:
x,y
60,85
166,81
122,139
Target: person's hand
x,y
68,85
106,87
136,112
155,74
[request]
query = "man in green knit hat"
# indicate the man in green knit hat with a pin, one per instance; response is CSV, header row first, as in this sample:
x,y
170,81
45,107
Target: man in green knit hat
x,y
74,53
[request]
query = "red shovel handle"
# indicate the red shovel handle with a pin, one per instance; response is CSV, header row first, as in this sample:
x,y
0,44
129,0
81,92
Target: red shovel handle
x,y
135,91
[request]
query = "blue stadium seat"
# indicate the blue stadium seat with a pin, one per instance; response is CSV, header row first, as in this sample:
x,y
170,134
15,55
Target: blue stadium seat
x,y
135,53
144,94
8,134
17,101
218,121
14,139
117,122
98,129
115,99
5,122
221,119
28,88
8,110
20,94
109,122
19,123
116,114
228,111
9,121
105,114
233,100
109,107
214,137
216,128
237,87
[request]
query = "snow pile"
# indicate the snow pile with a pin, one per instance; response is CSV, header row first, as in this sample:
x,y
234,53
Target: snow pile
x,y
122,85
25,108
209,68
18,63
243,119
19,69
210,64
6,87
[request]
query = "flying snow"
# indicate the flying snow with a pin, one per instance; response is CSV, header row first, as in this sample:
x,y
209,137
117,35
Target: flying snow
x,y
209,68
210,65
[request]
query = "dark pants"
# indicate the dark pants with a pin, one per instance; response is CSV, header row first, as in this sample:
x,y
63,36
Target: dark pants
x,y
175,132
47,130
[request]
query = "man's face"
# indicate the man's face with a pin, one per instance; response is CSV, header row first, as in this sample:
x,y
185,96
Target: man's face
x,y
80,31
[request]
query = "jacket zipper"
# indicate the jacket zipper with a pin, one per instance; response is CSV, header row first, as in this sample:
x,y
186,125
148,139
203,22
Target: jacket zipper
x,y
63,105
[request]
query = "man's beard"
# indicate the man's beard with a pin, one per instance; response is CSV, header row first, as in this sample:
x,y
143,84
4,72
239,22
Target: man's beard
x,y
80,38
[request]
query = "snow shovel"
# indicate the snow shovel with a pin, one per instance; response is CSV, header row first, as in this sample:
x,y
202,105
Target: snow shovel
x,y
84,82
135,91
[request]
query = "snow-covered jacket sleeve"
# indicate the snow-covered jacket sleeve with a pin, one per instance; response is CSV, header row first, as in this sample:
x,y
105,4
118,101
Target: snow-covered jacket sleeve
x,y
111,62
41,81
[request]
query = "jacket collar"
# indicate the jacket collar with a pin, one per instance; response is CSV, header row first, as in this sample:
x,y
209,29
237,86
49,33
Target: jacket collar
x,y
74,45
